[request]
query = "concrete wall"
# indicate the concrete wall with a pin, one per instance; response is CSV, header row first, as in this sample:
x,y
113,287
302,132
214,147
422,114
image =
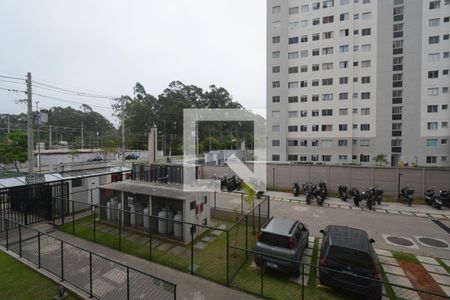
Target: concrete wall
x,y
281,176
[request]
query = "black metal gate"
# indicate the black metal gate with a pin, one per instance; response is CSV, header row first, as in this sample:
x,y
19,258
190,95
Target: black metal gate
x,y
31,203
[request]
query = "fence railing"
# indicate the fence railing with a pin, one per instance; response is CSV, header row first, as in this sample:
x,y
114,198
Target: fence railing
x,y
190,247
97,275
271,284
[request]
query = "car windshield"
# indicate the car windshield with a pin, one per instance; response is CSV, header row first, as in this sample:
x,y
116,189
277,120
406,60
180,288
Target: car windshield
x,y
274,240
350,257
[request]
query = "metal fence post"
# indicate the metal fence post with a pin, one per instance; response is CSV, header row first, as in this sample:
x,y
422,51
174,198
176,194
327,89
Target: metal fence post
x,y
39,249
62,261
7,235
228,257
73,218
259,217
20,240
242,203
95,226
90,274
215,197
128,283
246,235
268,207
150,236
192,249
120,229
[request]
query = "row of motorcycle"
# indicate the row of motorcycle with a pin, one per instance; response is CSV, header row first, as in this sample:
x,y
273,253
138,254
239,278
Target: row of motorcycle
x,y
319,192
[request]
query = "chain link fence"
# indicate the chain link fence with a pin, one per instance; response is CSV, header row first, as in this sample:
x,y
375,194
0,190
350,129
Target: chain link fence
x,y
98,276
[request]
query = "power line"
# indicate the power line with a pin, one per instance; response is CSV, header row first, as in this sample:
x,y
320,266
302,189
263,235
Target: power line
x,y
11,90
11,77
71,101
56,89
10,81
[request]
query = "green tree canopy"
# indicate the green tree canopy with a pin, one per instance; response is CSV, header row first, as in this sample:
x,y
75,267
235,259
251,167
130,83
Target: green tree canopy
x,y
14,149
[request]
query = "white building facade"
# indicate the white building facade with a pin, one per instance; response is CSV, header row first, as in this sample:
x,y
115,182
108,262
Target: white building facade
x,y
348,80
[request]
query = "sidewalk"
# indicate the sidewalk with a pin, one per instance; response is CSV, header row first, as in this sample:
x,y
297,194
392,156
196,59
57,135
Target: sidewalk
x,y
188,286
417,210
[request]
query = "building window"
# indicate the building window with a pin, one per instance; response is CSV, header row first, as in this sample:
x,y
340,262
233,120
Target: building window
x,y
327,51
315,143
365,127
276,25
304,53
327,35
275,157
344,17
328,3
315,98
444,141
275,39
432,108
292,157
433,91
293,25
77,182
327,97
327,112
364,158
366,31
275,114
293,55
292,99
432,142
366,48
276,69
365,79
327,127
315,37
433,40
275,143
304,99
326,158
305,8
365,95
275,99
365,111
275,84
343,127
327,81
315,112
434,22
293,10
276,9
276,54
315,127
293,40
342,143
303,128
303,83
316,5
435,4
343,48
315,67
304,143
327,66
366,16
343,111
293,84
304,23
345,2
343,96
431,159
293,114
315,52
433,74
303,113
344,32
364,143
343,64
292,143
365,64
292,128
432,125
343,80
275,128
293,70
444,124
316,21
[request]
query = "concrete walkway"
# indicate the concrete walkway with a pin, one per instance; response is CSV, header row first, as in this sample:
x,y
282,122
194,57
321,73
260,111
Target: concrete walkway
x,y
188,286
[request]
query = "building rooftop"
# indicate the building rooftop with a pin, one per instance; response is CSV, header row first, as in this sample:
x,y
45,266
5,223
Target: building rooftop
x,y
174,191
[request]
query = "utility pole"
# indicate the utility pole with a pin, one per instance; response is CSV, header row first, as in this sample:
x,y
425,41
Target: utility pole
x,y
122,99
82,135
30,126
50,137
9,128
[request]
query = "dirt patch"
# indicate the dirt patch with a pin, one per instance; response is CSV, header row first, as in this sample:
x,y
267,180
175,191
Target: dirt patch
x,y
421,279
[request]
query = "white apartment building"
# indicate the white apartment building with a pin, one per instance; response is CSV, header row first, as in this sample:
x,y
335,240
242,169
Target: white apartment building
x,y
348,80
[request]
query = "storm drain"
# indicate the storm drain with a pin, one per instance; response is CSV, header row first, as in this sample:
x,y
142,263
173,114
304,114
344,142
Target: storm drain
x,y
433,242
400,241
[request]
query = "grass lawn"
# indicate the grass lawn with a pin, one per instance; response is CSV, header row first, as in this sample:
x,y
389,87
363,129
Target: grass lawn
x,y
19,282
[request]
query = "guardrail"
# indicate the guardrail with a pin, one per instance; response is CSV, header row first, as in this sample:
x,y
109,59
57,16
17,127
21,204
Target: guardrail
x,y
97,275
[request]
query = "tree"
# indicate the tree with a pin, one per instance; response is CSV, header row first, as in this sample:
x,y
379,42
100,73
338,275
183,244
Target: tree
x,y
14,150
380,159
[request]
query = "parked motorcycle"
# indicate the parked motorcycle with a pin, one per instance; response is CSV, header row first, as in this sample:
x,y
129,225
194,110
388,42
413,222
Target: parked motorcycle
x,y
323,190
445,198
319,194
432,199
370,196
343,194
377,194
309,191
406,195
356,196
296,189
231,183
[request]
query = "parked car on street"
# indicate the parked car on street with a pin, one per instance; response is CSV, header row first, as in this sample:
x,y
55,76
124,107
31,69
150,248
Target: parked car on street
x,y
131,156
283,241
348,261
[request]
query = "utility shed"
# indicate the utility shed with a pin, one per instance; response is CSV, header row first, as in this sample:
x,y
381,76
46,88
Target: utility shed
x,y
162,209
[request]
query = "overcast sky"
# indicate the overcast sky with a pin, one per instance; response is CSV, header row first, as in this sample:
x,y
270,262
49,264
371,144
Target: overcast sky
x,y
107,46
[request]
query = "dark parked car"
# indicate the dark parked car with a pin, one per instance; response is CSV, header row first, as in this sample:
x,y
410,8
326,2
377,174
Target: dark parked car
x,y
348,261
282,238
131,156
